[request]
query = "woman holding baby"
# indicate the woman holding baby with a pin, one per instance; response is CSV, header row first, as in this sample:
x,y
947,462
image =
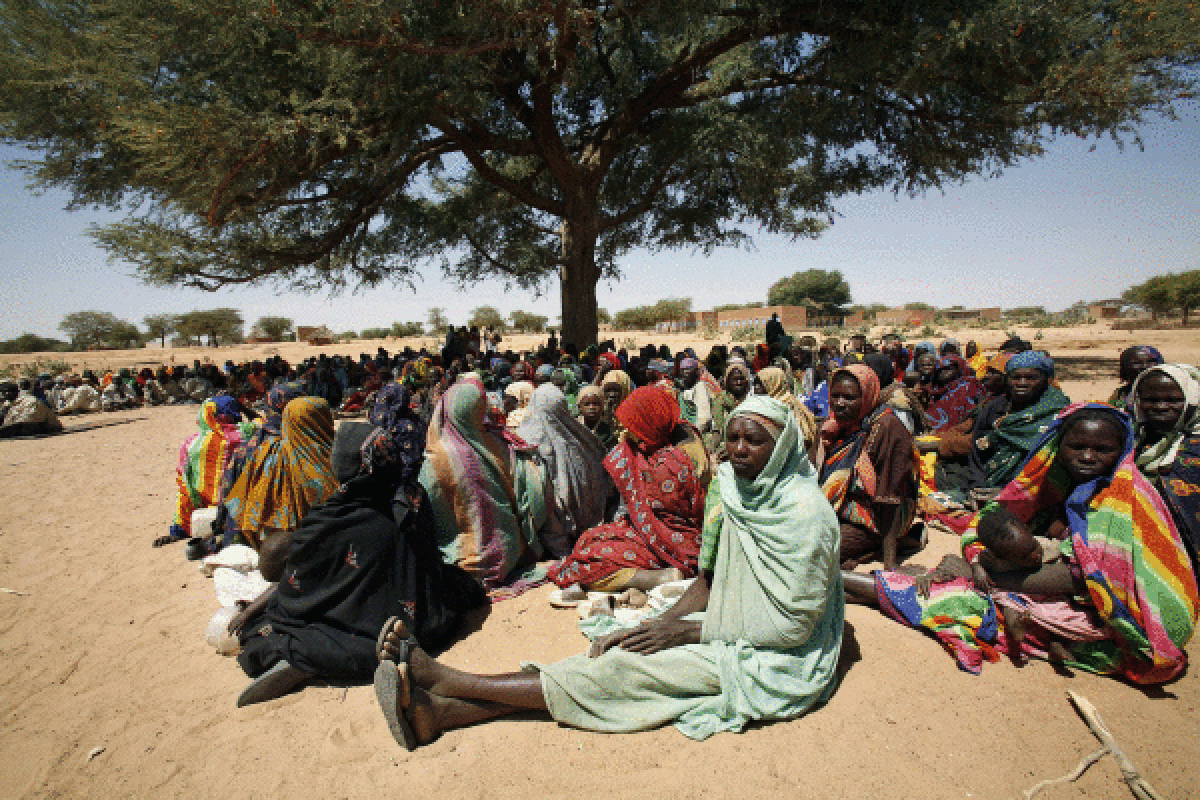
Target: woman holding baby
x,y
1078,560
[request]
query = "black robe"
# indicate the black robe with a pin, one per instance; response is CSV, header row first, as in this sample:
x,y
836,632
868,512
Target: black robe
x,y
363,556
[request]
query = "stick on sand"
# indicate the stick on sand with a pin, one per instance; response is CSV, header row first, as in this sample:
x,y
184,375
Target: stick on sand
x,y
1140,787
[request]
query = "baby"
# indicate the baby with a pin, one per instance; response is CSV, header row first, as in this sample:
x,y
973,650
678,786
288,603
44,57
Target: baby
x,y
1012,547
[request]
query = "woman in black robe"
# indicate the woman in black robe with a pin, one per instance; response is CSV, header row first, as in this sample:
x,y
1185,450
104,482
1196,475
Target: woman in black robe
x,y
366,555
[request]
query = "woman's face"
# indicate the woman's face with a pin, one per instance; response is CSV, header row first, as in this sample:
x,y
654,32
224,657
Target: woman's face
x,y
737,384
612,395
1089,450
993,381
592,409
926,365
946,374
845,399
510,404
1140,361
1160,402
758,386
972,349
1025,385
749,447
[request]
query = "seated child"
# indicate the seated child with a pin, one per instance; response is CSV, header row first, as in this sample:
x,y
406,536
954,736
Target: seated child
x,y
1011,546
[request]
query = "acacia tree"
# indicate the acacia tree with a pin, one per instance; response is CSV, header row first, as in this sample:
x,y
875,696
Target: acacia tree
x,y
275,328
159,326
335,144
828,290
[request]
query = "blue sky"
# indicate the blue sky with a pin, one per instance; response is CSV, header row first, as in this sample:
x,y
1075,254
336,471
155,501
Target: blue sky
x,y
1077,224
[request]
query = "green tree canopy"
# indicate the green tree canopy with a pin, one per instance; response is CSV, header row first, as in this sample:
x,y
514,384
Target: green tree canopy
x,y
160,326
402,330
99,329
487,315
527,322
274,328
1156,295
31,343
218,324
337,144
603,317
828,290
1187,292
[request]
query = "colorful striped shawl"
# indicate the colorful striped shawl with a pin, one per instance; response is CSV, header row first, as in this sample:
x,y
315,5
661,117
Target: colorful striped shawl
x,y
202,460
286,476
1137,571
469,476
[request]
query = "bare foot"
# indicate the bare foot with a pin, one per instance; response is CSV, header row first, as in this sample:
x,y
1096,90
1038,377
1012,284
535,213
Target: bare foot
x,y
422,715
632,598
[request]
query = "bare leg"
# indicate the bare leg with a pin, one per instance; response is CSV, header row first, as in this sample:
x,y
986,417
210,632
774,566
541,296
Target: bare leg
x,y
860,588
430,714
645,579
517,689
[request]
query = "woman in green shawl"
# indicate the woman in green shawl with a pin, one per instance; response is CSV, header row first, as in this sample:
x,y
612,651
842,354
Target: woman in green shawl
x,y
1033,404
755,637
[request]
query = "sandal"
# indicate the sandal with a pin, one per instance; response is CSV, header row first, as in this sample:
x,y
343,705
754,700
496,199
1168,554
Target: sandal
x,y
275,682
406,644
559,600
391,686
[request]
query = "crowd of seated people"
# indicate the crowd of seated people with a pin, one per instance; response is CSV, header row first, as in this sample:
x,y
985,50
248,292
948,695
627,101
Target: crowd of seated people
x,y
766,477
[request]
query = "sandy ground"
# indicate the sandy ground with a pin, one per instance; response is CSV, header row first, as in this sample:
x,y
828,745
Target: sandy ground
x,y
106,650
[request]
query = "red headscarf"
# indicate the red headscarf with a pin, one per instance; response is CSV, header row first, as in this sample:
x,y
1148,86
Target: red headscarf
x,y
651,414
611,358
762,357
868,382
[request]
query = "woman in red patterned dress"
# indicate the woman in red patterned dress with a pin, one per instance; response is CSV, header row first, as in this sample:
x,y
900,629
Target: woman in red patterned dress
x,y
661,471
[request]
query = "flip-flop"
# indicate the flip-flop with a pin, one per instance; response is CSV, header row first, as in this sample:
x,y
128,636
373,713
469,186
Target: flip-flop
x,y
275,682
406,644
388,688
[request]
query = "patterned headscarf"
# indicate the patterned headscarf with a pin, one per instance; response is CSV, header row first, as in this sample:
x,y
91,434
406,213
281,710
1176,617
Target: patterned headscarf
x,y
277,400
1031,359
286,476
651,414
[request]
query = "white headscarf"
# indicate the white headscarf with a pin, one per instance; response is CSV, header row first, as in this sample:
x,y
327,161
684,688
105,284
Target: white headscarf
x,y
1161,455
574,456
522,392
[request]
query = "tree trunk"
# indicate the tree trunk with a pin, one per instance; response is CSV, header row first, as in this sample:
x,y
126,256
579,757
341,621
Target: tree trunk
x,y
578,277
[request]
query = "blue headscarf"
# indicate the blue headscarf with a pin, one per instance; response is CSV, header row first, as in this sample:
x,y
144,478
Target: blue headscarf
x,y
1031,359
396,447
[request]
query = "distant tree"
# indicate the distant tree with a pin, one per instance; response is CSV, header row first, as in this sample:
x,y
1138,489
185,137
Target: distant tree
x,y
274,328
1025,312
828,290
96,329
919,307
376,333
486,315
603,317
217,324
88,328
528,323
638,318
402,330
1156,295
32,343
159,326
672,309
1187,292
436,317
738,306
347,335
125,336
